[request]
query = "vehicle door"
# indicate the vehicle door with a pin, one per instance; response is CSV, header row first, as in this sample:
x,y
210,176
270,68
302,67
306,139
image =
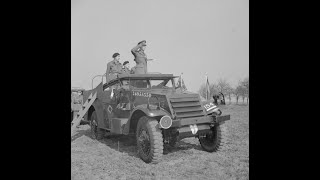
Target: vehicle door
x,y
123,96
109,102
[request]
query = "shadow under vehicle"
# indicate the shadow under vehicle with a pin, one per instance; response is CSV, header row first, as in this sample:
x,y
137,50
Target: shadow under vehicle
x,y
149,107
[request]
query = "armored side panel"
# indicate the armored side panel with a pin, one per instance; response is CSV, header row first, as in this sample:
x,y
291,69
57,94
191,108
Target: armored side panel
x,y
117,125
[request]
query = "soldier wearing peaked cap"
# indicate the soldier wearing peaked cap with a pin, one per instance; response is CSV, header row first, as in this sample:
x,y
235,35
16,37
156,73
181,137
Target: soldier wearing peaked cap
x,y
140,58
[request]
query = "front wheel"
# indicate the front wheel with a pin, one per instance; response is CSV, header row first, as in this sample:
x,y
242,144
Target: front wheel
x,y
214,140
149,140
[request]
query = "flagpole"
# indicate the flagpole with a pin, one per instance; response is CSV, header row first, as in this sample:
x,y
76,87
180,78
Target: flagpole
x,y
206,87
181,80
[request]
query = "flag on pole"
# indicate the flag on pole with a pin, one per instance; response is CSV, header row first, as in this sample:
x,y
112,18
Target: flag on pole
x,y
180,83
207,88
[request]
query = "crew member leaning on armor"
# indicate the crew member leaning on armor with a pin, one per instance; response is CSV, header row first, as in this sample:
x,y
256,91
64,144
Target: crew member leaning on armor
x,y
140,58
114,67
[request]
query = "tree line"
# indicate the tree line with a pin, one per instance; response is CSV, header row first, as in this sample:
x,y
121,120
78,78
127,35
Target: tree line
x,y
241,90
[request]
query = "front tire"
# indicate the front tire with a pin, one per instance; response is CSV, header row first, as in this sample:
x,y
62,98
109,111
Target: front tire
x,y
96,132
149,140
215,140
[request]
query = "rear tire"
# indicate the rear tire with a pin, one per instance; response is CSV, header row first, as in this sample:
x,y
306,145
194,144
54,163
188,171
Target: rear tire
x,y
149,140
214,141
96,132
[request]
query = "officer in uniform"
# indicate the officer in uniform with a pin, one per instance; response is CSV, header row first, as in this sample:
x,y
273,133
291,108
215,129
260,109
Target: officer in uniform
x,y
140,58
126,68
114,67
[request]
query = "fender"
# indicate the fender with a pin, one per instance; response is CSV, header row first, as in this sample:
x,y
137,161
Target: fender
x,y
148,112
97,104
98,107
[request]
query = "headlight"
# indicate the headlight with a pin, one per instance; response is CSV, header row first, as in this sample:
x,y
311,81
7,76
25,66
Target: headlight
x,y
165,122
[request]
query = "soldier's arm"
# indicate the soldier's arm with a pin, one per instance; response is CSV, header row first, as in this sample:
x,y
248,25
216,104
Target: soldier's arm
x,y
108,70
135,49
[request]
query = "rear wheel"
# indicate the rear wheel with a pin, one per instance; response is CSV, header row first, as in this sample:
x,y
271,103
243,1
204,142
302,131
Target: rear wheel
x,y
149,140
214,140
96,132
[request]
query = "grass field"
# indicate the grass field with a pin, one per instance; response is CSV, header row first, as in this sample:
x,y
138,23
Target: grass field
x,y
115,156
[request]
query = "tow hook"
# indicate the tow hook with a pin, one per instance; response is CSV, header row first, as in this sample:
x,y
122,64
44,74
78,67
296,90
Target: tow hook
x,y
202,136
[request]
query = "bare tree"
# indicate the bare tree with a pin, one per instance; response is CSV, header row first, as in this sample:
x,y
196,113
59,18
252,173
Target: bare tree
x,y
240,91
229,92
213,90
236,93
245,84
222,85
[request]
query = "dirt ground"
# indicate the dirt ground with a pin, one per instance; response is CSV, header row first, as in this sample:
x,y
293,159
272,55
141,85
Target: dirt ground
x,y
115,156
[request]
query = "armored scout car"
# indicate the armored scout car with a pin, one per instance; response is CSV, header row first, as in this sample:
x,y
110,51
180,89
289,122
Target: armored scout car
x,y
149,106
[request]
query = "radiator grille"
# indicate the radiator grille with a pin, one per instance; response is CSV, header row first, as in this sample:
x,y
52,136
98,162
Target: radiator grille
x,y
186,106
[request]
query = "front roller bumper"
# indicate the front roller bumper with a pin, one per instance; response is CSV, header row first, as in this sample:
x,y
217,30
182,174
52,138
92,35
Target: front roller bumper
x,y
200,120
193,127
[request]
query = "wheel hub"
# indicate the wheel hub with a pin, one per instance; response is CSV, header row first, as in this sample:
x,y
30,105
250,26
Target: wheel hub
x,y
208,138
144,141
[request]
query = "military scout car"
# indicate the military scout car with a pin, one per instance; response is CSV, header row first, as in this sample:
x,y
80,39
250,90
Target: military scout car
x,y
149,106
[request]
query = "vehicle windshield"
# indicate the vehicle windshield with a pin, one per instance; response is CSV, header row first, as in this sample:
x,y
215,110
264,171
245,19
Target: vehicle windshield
x,y
163,83
167,83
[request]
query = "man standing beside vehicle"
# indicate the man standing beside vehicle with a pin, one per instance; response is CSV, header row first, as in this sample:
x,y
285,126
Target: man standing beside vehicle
x,y
140,58
114,67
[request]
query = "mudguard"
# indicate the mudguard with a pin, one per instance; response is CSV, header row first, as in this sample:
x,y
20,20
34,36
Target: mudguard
x,y
147,112
97,104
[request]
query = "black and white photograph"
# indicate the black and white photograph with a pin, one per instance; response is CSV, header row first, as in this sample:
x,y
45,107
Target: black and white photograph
x,y
160,89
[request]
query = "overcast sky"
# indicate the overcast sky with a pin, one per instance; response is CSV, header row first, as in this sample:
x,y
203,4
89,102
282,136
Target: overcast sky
x,y
193,37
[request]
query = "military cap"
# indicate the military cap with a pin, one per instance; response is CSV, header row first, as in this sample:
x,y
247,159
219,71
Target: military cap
x,y
115,55
126,62
143,42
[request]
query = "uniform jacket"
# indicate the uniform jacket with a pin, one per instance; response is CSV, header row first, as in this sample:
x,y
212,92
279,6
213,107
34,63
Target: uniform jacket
x,y
113,69
125,70
141,60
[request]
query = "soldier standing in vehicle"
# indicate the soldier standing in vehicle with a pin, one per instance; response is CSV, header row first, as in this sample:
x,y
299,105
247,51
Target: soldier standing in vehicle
x,y
114,67
126,68
140,58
